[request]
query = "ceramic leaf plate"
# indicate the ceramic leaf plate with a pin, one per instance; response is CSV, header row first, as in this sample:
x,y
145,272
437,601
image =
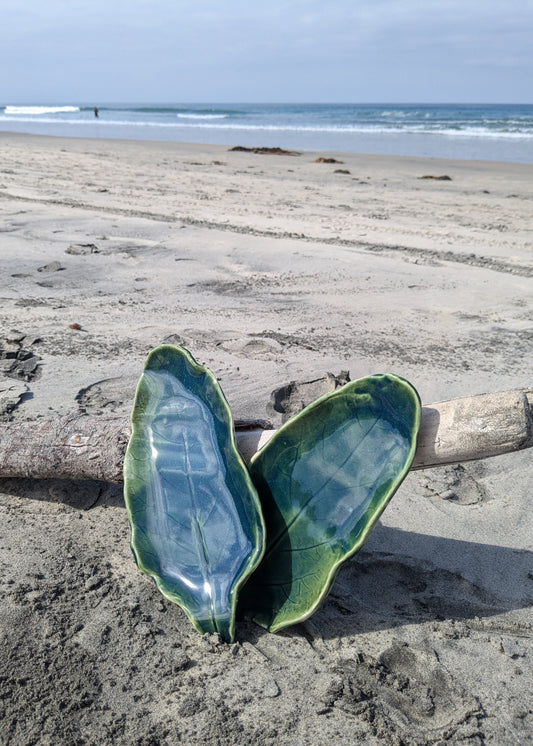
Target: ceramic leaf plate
x,y
324,479
194,513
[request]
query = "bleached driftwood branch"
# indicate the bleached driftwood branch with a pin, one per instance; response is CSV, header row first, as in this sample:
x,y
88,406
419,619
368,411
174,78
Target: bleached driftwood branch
x,y
86,447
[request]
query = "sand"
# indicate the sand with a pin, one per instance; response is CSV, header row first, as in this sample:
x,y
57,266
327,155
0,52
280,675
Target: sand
x,y
268,268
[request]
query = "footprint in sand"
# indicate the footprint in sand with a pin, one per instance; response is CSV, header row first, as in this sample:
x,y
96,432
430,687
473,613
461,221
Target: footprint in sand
x,y
257,348
406,689
108,396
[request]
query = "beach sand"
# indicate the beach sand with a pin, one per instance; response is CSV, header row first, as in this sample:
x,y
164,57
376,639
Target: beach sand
x,y
268,268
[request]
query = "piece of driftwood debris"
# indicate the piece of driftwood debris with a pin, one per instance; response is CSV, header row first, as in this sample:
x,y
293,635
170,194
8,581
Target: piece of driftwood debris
x,y
87,447
263,151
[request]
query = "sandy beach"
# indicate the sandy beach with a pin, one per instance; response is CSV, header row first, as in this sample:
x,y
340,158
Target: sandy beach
x,y
268,269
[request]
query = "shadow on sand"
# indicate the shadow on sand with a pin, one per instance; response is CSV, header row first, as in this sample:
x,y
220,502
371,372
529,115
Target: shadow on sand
x,y
398,578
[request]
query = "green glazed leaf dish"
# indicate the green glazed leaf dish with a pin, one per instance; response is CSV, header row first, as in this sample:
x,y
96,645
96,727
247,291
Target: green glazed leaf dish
x,y
324,479
196,523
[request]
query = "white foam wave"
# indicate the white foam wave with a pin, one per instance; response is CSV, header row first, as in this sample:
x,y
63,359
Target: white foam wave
x,y
372,129
525,133
394,113
202,116
465,132
39,110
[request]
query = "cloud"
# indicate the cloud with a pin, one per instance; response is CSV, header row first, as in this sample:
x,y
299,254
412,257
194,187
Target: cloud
x,y
294,47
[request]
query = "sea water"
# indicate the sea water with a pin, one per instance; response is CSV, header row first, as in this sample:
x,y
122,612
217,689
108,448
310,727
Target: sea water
x,y
499,132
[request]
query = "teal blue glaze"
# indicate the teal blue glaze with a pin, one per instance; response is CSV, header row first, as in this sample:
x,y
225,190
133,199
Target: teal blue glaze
x,y
195,516
324,479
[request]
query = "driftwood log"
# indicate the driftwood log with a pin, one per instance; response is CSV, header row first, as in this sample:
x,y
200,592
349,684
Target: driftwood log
x,y
85,447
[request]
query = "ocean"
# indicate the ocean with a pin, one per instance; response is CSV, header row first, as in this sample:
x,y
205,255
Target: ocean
x,y
496,132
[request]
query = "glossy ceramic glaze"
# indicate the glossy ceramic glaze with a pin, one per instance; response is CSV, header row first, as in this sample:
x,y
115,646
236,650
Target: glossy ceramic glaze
x,y
194,513
324,479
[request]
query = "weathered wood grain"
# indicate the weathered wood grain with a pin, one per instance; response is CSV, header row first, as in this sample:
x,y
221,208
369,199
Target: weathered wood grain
x,y
86,447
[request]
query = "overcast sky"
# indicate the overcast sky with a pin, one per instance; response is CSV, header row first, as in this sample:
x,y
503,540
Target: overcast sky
x,y
75,51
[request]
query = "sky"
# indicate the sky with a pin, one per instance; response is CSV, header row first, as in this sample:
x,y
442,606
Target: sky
x,y
320,51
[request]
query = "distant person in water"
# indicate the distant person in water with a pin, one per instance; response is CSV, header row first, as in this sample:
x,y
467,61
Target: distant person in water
x,y
96,111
